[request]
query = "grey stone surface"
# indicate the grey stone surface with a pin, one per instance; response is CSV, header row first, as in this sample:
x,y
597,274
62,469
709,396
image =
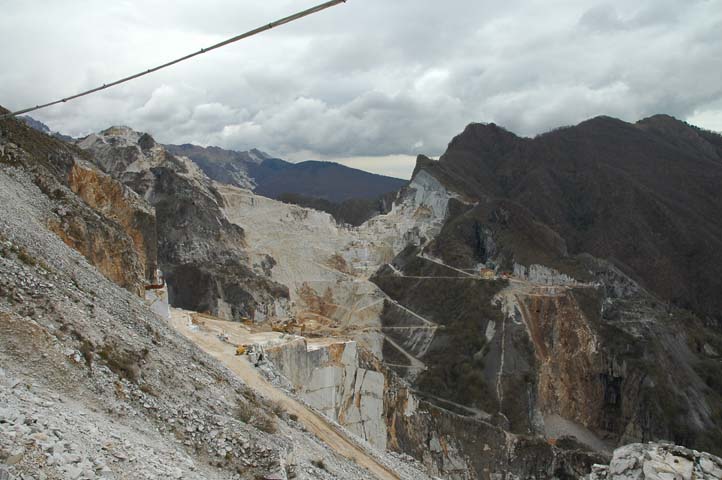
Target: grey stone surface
x,y
330,379
658,461
93,384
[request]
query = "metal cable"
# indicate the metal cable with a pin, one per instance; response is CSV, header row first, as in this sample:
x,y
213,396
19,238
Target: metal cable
x,y
242,36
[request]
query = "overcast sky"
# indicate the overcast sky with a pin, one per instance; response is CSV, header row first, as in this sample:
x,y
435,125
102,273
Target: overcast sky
x,y
371,83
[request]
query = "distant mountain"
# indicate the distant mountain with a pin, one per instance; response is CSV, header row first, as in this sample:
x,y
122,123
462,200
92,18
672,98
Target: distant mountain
x,y
324,180
225,166
351,195
36,124
41,127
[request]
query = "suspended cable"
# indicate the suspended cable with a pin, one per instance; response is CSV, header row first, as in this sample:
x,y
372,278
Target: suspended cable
x,y
237,38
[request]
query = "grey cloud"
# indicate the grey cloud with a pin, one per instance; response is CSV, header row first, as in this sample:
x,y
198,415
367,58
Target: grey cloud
x,y
603,18
371,78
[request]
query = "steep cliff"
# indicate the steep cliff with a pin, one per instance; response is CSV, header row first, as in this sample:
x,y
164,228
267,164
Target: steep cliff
x,y
592,342
108,223
201,253
93,384
329,376
117,202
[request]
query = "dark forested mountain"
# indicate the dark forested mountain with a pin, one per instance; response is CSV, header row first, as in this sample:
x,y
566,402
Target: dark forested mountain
x,y
646,196
605,243
328,181
349,194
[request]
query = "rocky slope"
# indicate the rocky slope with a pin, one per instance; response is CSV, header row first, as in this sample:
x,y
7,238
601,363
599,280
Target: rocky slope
x,y
93,384
108,223
329,269
487,312
477,326
592,332
201,254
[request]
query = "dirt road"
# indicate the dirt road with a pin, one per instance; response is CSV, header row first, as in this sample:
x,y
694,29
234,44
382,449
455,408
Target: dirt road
x,y
315,423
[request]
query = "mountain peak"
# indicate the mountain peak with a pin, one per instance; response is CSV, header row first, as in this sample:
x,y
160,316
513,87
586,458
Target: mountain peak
x,y
684,136
122,133
258,155
485,138
36,124
423,163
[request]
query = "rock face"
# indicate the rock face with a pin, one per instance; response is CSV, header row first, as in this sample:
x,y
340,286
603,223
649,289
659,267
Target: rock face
x,y
93,384
200,252
119,203
108,223
658,461
328,376
326,266
461,444
592,341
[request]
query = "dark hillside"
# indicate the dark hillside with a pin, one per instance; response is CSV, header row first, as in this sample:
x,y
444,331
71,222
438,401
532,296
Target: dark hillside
x,y
350,195
647,196
328,181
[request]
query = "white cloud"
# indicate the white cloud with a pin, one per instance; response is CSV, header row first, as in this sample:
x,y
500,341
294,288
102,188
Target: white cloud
x,y
368,79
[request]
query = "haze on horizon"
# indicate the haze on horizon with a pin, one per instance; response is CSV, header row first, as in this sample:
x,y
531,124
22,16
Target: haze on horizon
x,y
371,83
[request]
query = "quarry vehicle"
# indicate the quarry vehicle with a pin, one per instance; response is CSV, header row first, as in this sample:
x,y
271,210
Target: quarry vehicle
x,y
241,350
487,274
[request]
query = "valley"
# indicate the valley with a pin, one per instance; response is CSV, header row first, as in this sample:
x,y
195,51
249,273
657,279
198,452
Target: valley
x,y
455,335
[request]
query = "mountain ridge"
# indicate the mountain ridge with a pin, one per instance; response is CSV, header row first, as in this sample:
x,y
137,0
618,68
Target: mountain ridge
x,y
350,195
477,313
273,177
604,181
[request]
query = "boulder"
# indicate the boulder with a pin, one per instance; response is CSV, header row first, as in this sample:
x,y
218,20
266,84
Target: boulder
x,y
658,461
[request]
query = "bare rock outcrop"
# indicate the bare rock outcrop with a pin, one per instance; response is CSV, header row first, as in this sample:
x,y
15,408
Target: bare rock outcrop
x,y
330,378
93,384
658,461
117,202
201,253
99,217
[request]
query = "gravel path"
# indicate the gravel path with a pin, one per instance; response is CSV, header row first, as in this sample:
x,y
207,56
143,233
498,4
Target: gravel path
x,y
314,422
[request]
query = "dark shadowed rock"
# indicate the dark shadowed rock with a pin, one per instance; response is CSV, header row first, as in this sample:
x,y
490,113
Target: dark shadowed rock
x,y
646,195
107,222
200,252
